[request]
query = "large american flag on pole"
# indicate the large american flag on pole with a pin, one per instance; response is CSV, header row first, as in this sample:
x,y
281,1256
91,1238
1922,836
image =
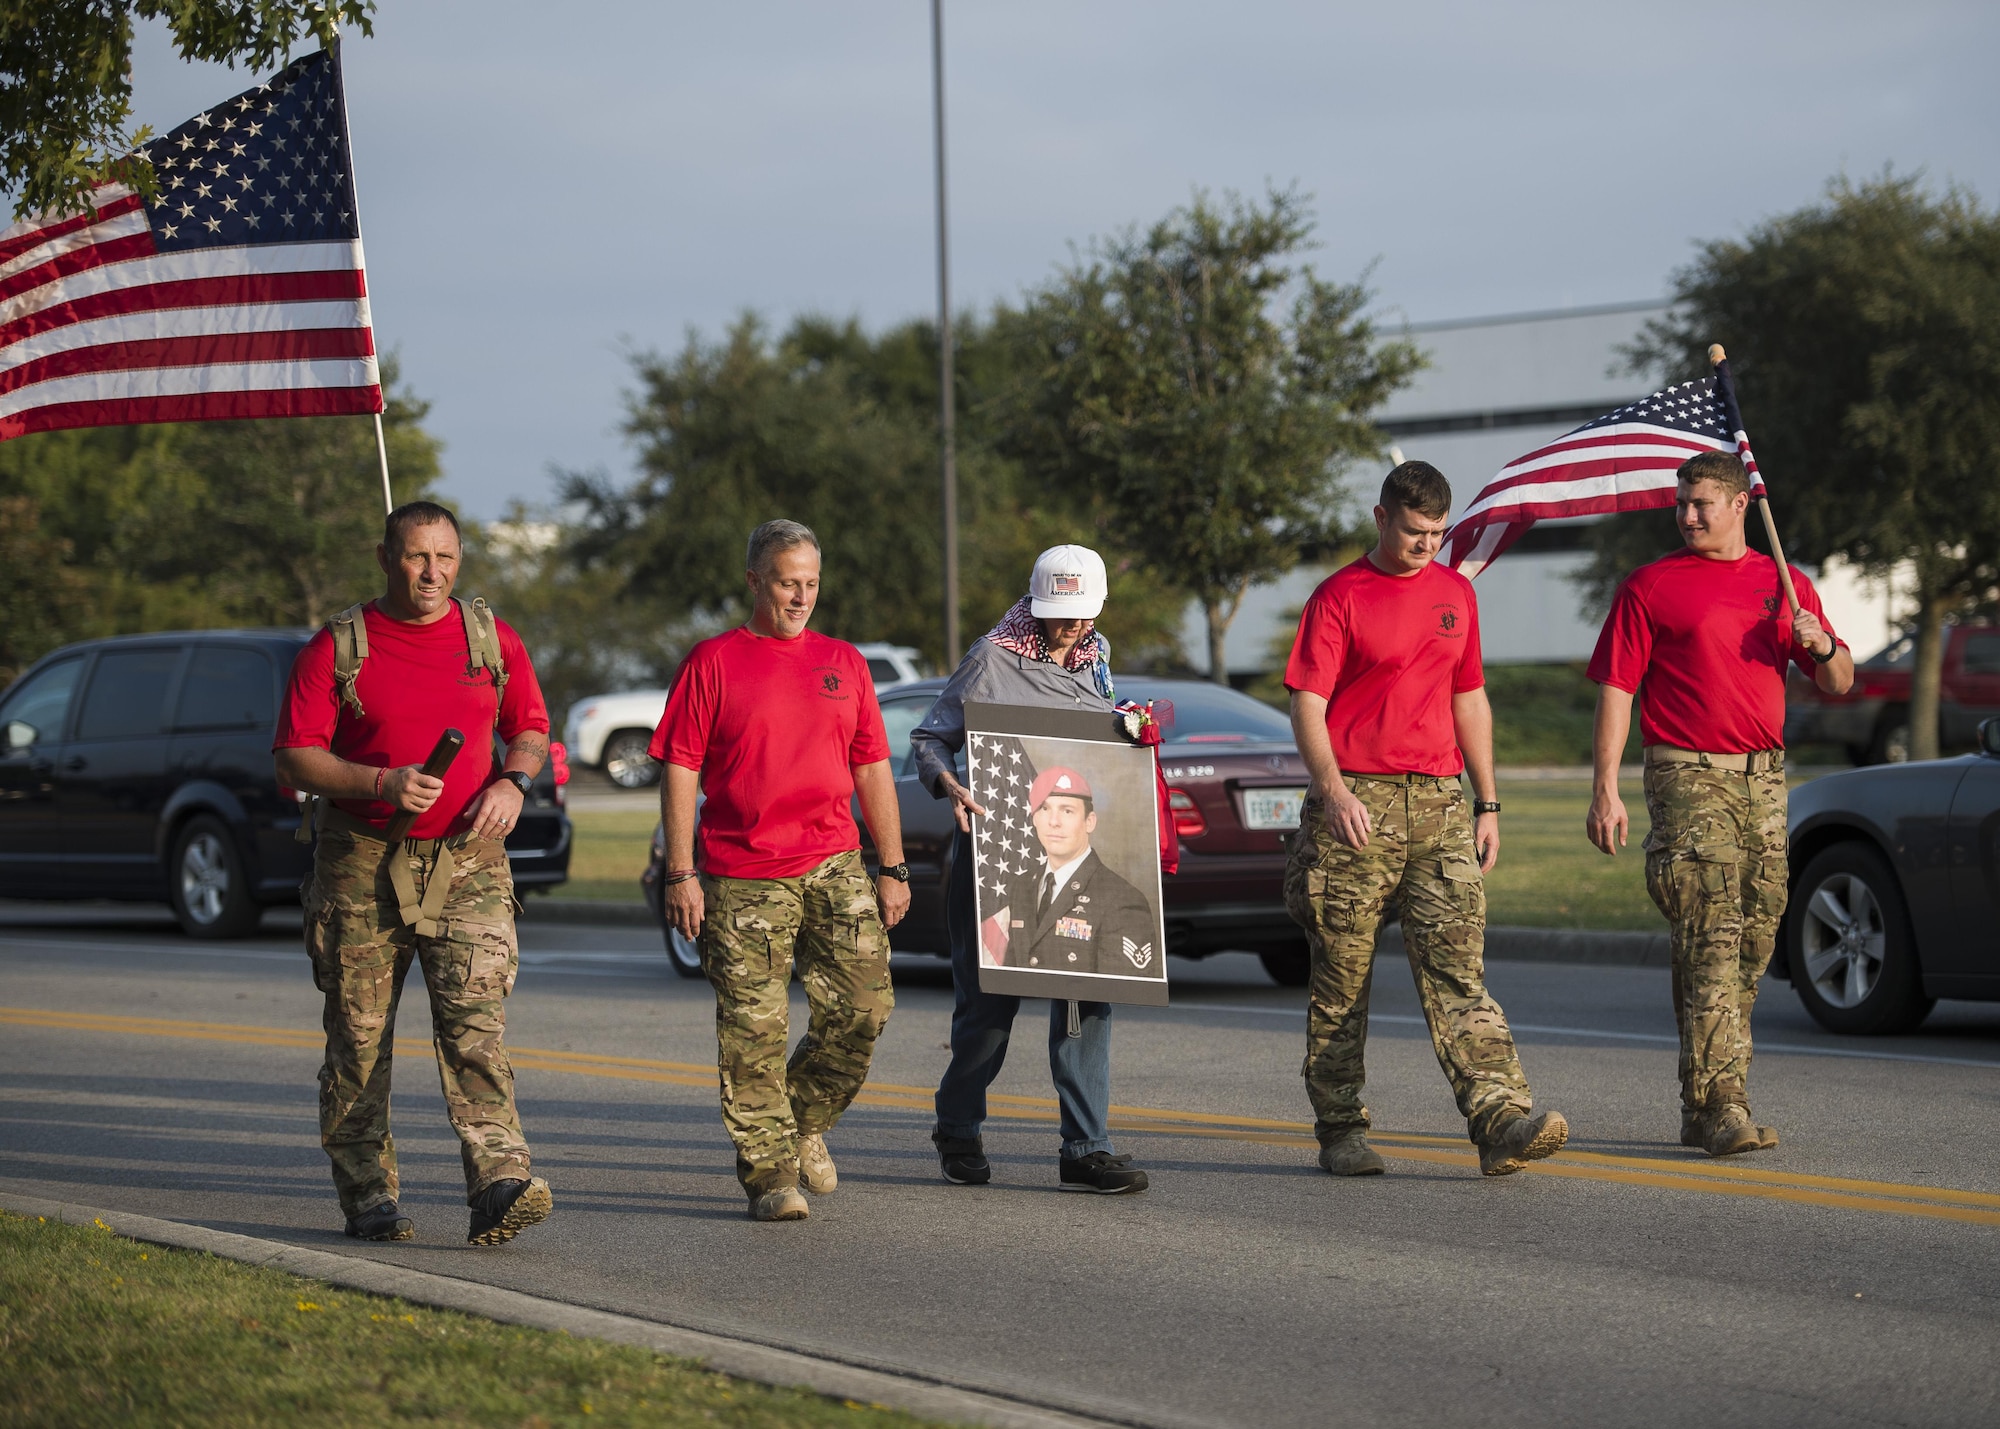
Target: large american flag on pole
x,y
1623,461
239,291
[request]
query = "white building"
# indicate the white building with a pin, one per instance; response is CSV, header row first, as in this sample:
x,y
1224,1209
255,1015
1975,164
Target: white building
x,y
1496,389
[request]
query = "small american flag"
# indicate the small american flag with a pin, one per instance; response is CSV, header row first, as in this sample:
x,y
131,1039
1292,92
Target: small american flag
x,y
238,292
1623,461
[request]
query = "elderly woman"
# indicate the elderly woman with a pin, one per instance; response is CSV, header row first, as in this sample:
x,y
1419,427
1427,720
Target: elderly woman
x,y
1045,651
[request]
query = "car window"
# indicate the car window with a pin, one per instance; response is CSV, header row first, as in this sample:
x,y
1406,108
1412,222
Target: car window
x,y
1982,653
228,687
35,708
900,718
128,693
1209,714
883,671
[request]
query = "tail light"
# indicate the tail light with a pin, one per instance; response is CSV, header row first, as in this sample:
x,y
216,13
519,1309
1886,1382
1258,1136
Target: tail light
x,y
1188,822
559,766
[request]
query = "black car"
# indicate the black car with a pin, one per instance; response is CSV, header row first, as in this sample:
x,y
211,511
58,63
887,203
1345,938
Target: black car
x,y
1236,786
1895,896
139,768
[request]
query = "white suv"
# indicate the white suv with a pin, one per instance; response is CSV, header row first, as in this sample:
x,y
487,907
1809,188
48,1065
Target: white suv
x,y
611,732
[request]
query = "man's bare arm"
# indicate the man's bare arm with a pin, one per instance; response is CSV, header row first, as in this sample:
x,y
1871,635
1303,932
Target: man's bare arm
x,y
875,787
1606,823
682,902
1472,725
322,772
527,752
1346,815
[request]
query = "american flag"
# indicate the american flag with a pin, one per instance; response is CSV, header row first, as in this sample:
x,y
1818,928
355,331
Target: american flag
x,y
1005,851
1623,461
239,291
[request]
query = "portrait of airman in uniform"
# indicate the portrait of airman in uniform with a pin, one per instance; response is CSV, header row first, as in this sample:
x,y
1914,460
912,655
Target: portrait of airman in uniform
x,y
1073,914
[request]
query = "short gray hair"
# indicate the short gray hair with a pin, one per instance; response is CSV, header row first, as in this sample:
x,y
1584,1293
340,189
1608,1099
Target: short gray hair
x,y
773,539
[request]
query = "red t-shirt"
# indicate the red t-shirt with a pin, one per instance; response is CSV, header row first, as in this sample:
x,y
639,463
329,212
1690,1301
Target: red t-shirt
x,y
1705,644
414,685
1388,653
776,728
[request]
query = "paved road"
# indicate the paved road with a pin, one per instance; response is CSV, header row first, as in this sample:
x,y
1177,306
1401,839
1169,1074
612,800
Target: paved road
x,y
1847,1278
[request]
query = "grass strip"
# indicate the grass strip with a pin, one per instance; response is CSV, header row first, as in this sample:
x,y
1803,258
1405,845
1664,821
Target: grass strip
x,y
99,1330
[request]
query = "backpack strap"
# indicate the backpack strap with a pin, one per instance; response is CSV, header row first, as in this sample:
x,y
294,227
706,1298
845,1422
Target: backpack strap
x,y
350,648
482,641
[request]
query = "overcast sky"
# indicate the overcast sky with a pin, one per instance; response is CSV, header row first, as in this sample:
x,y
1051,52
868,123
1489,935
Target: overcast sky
x,y
545,188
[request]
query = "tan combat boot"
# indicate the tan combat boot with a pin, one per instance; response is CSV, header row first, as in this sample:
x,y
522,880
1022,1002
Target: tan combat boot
x,y
1695,1135
1351,1155
783,1204
1521,1140
816,1171
1730,1132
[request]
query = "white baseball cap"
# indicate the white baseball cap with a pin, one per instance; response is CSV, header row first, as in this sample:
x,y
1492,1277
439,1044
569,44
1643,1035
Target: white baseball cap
x,y
1068,584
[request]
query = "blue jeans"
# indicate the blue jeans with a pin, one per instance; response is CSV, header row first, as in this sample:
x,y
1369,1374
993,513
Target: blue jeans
x,y
981,1023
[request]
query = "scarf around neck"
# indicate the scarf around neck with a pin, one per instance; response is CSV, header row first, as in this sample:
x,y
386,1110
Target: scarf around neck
x,y
1020,632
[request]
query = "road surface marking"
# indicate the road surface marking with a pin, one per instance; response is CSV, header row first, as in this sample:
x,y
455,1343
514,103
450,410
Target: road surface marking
x,y
1728,1178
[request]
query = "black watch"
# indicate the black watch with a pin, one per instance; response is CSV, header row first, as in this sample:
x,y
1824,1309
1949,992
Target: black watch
x,y
898,871
523,782
1485,806
1832,649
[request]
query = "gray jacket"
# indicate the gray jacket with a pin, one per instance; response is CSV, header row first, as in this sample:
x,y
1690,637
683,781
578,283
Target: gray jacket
x,y
996,677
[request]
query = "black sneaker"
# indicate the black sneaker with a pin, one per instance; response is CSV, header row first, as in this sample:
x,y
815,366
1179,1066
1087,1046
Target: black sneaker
x,y
963,1162
383,1222
506,1208
1103,1173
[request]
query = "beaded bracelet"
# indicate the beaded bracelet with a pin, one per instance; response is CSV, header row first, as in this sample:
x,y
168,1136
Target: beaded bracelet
x,y
380,774
679,875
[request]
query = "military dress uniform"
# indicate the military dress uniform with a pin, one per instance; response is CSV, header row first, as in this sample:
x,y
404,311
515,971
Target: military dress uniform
x,y
1097,923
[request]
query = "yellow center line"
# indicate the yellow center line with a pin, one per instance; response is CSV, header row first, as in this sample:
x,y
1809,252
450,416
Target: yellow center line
x,y
1706,1177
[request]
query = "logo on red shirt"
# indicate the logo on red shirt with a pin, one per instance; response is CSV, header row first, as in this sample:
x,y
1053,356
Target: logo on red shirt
x,y
830,683
1448,619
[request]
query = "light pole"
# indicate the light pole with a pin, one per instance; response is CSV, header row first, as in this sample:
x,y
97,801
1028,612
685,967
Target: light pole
x,y
946,405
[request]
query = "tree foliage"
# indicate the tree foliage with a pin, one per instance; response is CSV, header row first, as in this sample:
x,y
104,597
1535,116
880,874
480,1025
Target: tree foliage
x,y
273,522
66,77
1210,390
1864,334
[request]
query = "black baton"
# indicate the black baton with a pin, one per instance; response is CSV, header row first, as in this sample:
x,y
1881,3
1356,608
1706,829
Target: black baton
x,y
442,754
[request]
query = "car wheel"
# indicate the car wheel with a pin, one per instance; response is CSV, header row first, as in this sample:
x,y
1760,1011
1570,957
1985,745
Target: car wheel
x,y
1853,957
1288,966
626,761
684,953
1891,744
206,883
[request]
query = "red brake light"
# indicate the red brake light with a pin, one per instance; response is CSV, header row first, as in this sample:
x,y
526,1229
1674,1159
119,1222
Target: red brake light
x,y
559,757
1188,822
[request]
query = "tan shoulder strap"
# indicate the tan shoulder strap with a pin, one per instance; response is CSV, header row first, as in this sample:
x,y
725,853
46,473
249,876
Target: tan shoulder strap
x,y
482,641
350,648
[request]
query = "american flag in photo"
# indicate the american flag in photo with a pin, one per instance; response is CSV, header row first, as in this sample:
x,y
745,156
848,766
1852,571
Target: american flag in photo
x,y
238,291
1005,852
1623,461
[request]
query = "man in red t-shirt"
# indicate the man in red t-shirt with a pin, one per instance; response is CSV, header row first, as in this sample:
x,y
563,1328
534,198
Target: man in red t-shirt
x,y
368,698
1389,707
778,727
1704,636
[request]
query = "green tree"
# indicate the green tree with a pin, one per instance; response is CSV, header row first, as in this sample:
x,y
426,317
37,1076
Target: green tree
x,y
1211,391
1864,332
66,78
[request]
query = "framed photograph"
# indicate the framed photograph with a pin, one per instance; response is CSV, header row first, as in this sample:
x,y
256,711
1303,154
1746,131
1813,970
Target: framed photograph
x,y
1067,859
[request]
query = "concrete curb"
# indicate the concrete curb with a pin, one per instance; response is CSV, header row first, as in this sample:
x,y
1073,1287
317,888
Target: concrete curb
x,y
746,1359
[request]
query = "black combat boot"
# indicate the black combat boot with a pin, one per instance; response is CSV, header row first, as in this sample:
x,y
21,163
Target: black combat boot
x,y
506,1208
383,1222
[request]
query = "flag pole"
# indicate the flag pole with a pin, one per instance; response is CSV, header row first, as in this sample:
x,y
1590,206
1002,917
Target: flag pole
x,y
1718,359
382,451
347,138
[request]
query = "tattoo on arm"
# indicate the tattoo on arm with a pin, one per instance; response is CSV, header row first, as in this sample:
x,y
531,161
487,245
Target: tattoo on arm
x,y
528,751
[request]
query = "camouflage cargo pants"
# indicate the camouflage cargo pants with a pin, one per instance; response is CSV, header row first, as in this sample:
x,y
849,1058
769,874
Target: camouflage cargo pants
x,y
361,952
1716,867
1421,854
750,933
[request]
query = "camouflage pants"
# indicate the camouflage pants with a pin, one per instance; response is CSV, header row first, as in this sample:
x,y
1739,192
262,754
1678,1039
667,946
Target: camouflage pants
x,y
1421,854
749,935
361,952
1715,865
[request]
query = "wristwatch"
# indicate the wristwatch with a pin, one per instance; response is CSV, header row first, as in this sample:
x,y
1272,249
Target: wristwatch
x,y
519,780
1832,649
898,871
1485,806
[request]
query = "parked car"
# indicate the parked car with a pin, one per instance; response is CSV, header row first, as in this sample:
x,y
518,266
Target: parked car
x,y
1236,785
1872,720
611,732
139,768
1895,895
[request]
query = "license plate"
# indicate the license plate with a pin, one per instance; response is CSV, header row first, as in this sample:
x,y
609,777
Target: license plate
x,y
1273,808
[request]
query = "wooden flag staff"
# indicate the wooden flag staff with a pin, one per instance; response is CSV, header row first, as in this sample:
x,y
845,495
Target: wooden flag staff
x,y
389,502
1716,357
